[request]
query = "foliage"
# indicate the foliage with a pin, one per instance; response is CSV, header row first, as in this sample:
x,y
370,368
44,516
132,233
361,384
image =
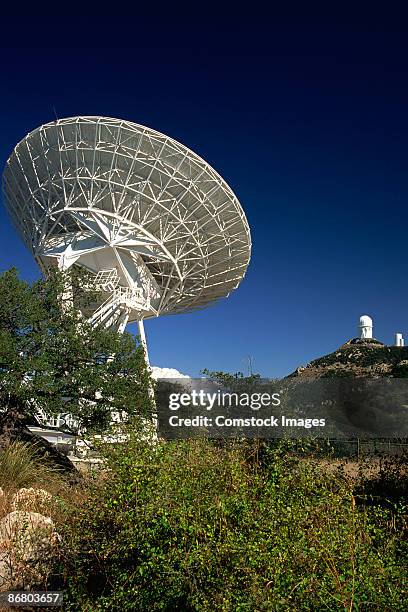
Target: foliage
x,y
22,466
234,382
239,383
194,526
52,359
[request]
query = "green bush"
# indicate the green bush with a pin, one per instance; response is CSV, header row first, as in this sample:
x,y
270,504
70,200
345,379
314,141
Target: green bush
x,y
196,526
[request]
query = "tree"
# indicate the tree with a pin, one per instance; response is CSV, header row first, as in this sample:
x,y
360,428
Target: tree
x,y
53,360
234,382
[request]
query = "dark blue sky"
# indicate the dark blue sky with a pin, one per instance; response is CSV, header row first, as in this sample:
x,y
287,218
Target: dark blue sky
x,y
309,125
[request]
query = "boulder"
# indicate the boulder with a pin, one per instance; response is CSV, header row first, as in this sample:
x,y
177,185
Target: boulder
x,y
29,543
5,572
31,499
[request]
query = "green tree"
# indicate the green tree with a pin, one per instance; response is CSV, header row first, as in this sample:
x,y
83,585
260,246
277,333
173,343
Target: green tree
x,y
53,359
234,382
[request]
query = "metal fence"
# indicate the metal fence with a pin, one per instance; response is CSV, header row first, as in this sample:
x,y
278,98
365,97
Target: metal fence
x,y
357,447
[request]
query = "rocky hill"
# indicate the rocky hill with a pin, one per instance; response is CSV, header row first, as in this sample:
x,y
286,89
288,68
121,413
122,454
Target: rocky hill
x,y
359,357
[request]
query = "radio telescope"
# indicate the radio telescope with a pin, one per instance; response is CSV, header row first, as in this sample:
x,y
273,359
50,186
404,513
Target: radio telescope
x,y
159,229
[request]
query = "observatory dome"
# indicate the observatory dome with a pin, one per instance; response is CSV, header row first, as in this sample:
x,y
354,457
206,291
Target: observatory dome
x,y
366,327
161,231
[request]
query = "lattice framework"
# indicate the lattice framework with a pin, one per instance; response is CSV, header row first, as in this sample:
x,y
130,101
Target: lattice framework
x,y
113,195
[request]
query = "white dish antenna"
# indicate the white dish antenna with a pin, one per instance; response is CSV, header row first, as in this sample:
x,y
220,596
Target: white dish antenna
x,y
160,230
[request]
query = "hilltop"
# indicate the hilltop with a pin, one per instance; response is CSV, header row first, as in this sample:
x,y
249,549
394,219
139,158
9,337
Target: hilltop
x,y
359,357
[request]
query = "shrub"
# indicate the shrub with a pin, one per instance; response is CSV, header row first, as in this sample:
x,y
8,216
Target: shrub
x,y
195,526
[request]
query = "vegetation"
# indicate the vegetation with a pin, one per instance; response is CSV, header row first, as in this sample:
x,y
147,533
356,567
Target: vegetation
x,y
184,525
21,465
52,359
195,526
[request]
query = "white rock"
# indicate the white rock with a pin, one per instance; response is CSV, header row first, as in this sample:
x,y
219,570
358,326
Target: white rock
x,y
28,544
5,572
31,499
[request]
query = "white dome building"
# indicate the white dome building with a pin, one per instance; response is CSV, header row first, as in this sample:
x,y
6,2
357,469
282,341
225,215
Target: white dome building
x,y
365,327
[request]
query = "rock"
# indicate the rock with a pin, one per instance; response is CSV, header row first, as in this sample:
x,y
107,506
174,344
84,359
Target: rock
x,y
29,543
401,369
359,357
31,499
5,572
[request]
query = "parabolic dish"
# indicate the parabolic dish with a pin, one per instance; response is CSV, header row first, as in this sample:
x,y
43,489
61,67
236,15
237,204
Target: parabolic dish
x,y
135,207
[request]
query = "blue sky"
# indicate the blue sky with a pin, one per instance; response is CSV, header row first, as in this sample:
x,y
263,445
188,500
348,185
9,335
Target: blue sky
x,y
307,122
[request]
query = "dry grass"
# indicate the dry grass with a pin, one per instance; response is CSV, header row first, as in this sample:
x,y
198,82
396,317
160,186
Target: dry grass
x,y
362,469
21,465
5,505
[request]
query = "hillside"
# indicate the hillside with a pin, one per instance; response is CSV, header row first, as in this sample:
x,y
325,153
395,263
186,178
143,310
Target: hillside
x,y
359,357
